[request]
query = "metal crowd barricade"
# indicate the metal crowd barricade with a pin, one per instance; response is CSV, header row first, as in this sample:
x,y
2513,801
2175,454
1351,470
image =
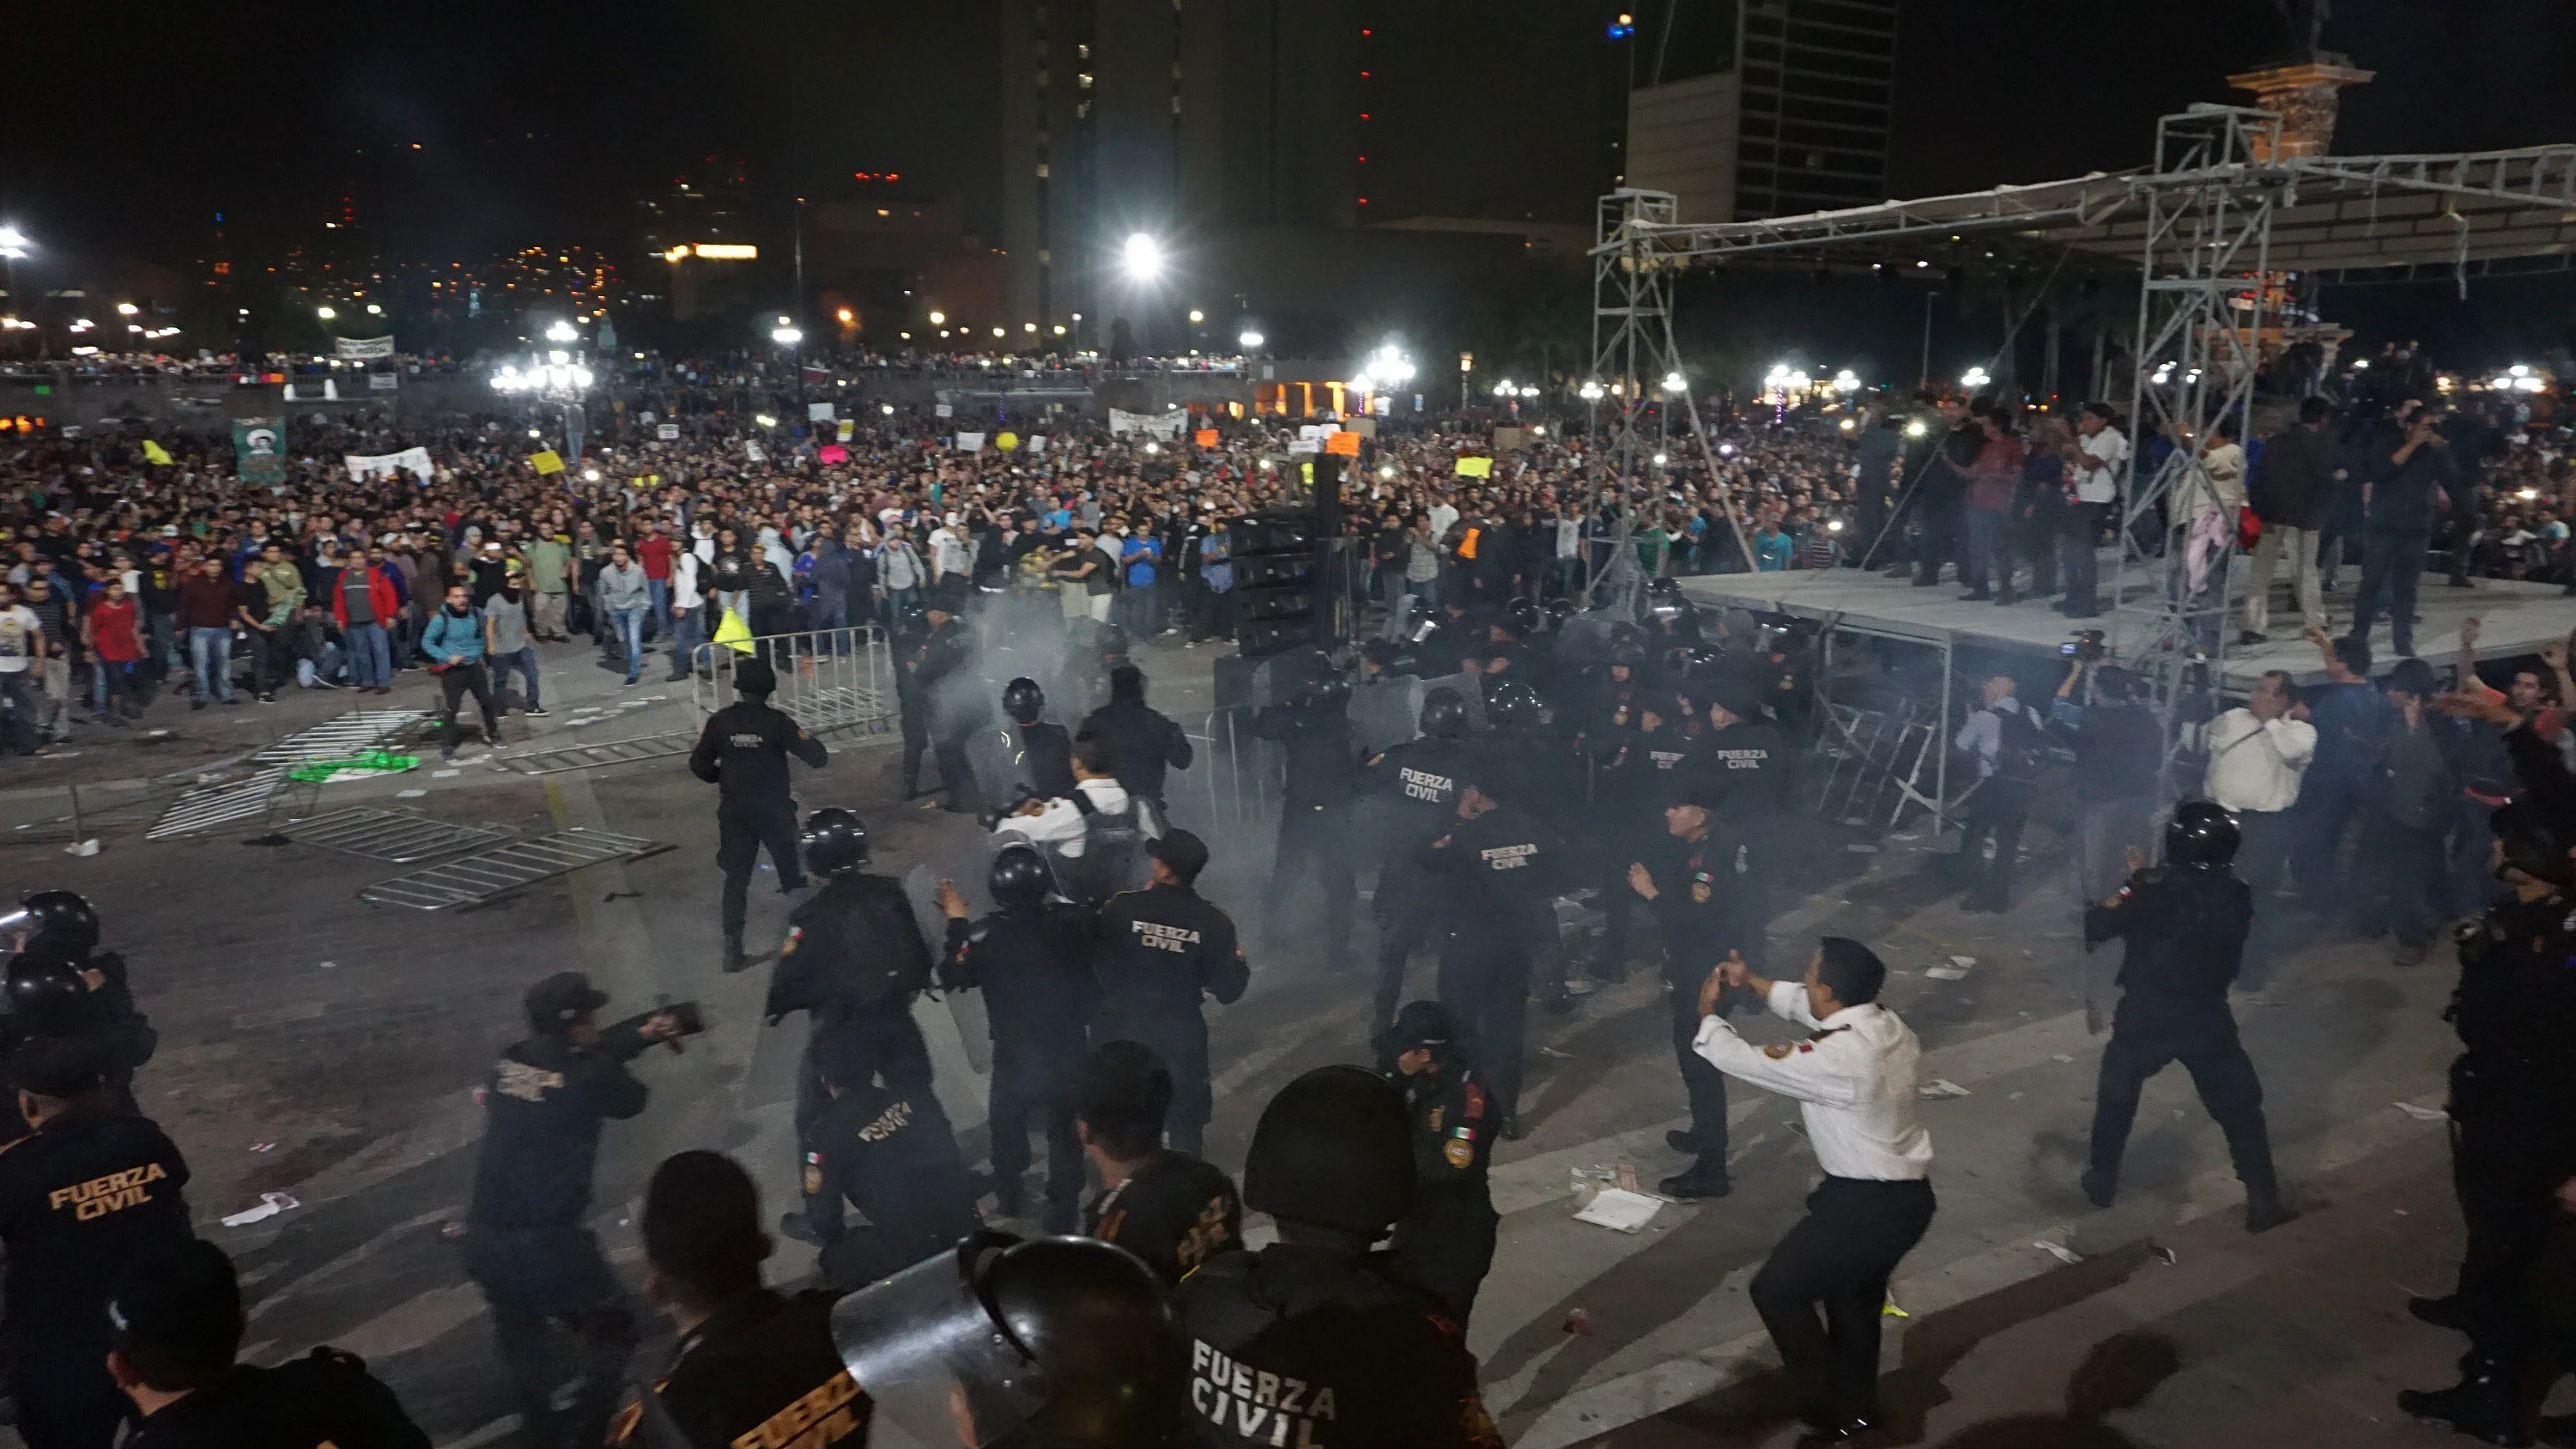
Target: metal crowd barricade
x,y
1232,784
831,681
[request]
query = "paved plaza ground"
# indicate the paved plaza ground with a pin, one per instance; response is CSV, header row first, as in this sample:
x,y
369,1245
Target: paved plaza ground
x,y
326,1048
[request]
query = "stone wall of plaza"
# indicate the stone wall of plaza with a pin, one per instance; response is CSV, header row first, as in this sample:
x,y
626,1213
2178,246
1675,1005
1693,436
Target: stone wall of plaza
x,y
208,403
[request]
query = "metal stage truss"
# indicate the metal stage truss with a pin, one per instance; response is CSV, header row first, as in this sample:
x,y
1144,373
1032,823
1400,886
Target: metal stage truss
x,y
2215,225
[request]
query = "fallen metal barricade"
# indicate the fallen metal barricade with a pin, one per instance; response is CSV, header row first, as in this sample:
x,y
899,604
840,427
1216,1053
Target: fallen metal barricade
x,y
482,877
559,758
400,836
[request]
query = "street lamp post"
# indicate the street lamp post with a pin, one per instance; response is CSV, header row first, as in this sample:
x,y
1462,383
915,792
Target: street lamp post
x,y
788,335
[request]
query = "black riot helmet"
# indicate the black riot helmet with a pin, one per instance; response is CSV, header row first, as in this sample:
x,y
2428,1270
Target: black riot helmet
x,y
1112,642
1664,599
1333,1149
1019,878
1514,706
1558,610
835,841
61,918
1066,1342
2529,841
1523,617
1627,644
2202,834
46,994
1444,714
1023,701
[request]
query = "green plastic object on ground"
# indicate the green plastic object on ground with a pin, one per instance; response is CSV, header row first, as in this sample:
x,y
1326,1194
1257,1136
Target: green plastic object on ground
x,y
373,762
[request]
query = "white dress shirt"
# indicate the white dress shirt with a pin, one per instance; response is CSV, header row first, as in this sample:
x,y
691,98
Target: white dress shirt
x,y
1854,1081
1061,823
2102,484
2257,764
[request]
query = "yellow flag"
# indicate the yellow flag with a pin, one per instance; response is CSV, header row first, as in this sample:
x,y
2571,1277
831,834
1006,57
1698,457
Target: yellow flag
x,y
155,454
734,634
545,461
1475,467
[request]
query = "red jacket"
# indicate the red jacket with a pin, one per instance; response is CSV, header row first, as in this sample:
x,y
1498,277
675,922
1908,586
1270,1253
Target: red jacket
x,y
380,597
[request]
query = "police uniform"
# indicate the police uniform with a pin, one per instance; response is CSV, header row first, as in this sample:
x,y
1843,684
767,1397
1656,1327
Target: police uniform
x,y
1496,876
80,1198
1034,967
1159,950
525,1243
1013,760
853,959
743,752
935,714
1446,1243
1421,777
893,1155
2185,928
1314,818
1174,1211
325,1398
1694,886
1854,1079
760,1370
1748,762
1612,717
1635,786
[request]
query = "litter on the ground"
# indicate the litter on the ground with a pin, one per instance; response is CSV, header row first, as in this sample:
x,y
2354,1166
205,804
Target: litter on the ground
x,y
327,965
270,1205
1963,962
409,794
1946,973
1889,1309
82,847
1857,848
2059,1251
1940,1087
263,1147
1620,1210
2421,1114
2164,1255
1578,1322
1549,1051
445,774
2062,1057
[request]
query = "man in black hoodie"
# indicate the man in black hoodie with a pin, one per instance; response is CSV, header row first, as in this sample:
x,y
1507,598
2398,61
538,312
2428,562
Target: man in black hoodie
x,y
2289,491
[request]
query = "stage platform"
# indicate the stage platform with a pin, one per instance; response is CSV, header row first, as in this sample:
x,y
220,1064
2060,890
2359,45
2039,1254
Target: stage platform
x,y
2516,618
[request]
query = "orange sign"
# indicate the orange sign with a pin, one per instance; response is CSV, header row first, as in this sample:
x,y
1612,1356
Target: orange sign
x,y
1204,437
1345,443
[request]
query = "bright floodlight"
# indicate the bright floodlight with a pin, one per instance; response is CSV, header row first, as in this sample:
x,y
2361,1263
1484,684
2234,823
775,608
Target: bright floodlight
x,y
374,311
1197,316
786,336
1974,377
1846,381
1143,257
938,319
1675,382
562,332
2518,370
1589,392
1248,339
325,313
1659,460
13,242
128,309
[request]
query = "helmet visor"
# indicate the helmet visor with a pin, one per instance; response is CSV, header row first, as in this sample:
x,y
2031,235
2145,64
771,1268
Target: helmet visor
x,y
935,1360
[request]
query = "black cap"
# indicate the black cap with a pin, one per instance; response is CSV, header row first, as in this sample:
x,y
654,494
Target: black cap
x,y
1737,697
754,676
1422,1024
702,1222
555,1001
183,1301
1184,852
62,1067
1700,788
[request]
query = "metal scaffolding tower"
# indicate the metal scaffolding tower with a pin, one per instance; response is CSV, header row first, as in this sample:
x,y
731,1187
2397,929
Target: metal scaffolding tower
x,y
2204,279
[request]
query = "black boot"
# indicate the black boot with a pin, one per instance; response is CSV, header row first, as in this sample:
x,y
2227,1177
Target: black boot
x,y
2483,1404
2100,1188
2446,1312
734,960
1702,1179
1683,1139
2264,1212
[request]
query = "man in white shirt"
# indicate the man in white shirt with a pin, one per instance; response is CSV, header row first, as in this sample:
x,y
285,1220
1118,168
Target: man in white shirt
x,y
1854,1080
2101,462
22,642
2257,756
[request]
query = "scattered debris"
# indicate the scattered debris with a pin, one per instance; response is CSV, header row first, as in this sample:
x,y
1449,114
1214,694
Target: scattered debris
x,y
2062,1057
621,896
270,1205
1579,1322
1620,1210
82,848
328,965
409,794
1549,1051
451,1230
263,1147
1889,1309
1940,1087
445,774
1627,1177
1857,848
2422,1114
1946,973
2012,1096
1963,962
155,734
2164,1255
2059,1251
2401,1212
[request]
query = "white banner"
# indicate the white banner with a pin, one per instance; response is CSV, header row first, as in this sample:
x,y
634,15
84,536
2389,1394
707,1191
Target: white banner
x,y
366,347
943,410
1161,425
667,432
414,461
751,450
383,381
1036,443
1316,432
818,412
970,442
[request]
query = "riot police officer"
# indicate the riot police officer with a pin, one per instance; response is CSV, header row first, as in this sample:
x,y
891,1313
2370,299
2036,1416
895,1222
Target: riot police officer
x,y
2513,1115
1314,1340
1421,777
1496,872
743,752
1032,958
1446,1243
938,708
176,1315
88,1191
58,950
892,1154
1055,1343
1749,761
1613,713
1688,883
853,961
1632,788
1026,756
1313,729
526,1245
2185,922
1160,950
752,1366
1142,741
1166,1207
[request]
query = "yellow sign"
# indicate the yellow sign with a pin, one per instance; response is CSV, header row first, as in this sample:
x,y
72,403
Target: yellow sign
x,y
545,461
1007,442
155,454
1475,467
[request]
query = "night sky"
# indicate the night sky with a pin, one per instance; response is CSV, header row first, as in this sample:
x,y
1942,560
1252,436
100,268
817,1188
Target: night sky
x,y
471,125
